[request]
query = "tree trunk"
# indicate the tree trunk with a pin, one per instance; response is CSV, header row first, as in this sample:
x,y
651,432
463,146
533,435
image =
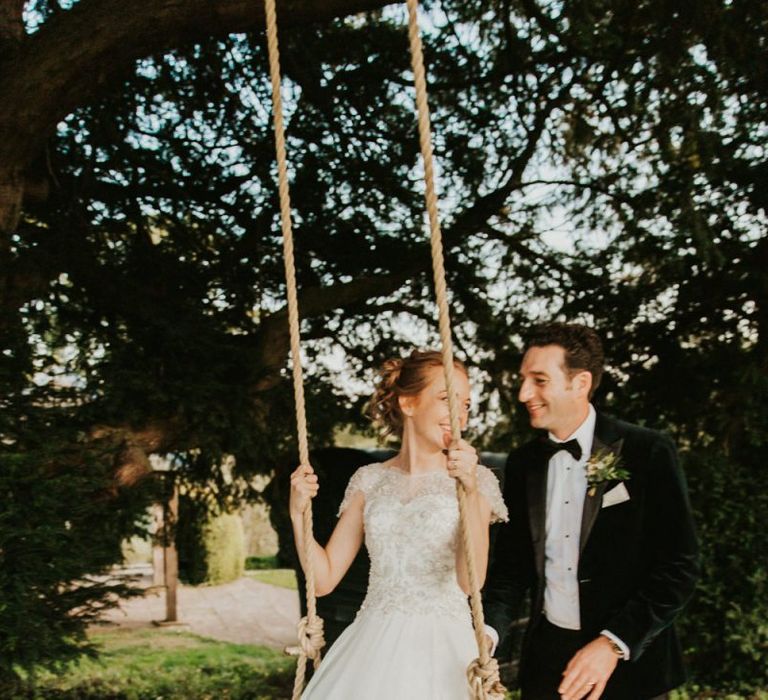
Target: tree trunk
x,y
11,192
11,25
80,52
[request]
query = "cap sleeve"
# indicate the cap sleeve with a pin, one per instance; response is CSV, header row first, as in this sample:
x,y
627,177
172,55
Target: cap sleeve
x,y
359,481
488,486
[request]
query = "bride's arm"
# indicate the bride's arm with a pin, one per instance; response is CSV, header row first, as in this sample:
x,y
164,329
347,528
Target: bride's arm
x,y
331,562
478,520
462,465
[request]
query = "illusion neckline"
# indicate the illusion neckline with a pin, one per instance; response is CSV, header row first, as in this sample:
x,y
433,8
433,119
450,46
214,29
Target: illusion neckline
x,y
403,472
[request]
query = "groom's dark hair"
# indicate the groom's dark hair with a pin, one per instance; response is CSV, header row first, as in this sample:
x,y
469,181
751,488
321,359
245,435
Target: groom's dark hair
x,y
583,349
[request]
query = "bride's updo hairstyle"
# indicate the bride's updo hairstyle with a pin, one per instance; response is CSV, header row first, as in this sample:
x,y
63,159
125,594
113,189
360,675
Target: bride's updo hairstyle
x,y
402,377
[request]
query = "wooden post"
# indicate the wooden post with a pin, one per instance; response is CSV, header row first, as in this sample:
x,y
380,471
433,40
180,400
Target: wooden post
x,y
165,554
158,545
171,555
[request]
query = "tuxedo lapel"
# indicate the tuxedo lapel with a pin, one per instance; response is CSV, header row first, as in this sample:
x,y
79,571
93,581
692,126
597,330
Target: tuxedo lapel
x,y
537,506
605,439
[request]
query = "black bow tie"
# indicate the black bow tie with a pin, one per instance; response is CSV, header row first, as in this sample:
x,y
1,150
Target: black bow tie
x,y
572,447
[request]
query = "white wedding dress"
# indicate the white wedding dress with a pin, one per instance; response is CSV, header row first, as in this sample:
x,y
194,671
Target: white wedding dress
x,y
412,638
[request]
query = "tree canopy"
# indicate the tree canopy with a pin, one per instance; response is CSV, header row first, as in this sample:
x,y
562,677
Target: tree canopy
x,y
600,161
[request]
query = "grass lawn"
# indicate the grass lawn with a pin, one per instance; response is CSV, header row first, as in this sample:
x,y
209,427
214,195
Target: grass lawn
x,y
285,578
166,664
695,694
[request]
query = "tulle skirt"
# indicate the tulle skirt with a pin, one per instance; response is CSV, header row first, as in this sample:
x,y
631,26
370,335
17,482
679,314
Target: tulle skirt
x,y
397,656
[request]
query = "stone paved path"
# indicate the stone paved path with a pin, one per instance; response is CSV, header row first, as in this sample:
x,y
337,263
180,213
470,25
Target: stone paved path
x,y
244,611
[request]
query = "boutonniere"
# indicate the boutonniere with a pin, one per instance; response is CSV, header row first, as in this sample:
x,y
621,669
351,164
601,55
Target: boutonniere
x,y
604,465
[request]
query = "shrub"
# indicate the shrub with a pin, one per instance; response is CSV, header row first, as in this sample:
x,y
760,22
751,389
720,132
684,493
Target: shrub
x,y
725,628
258,563
224,542
193,514
62,522
211,544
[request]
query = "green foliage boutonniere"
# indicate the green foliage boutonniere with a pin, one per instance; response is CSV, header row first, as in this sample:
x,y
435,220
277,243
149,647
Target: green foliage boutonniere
x,y
604,466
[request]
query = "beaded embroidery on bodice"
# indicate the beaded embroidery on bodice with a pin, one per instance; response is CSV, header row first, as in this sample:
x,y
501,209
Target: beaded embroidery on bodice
x,y
412,534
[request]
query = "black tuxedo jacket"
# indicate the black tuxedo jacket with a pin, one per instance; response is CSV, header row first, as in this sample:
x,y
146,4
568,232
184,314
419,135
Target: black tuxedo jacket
x,y
638,561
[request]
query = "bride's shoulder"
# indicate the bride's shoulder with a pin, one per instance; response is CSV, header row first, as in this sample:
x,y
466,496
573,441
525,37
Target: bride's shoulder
x,y
367,474
486,474
489,487
372,468
363,480
487,480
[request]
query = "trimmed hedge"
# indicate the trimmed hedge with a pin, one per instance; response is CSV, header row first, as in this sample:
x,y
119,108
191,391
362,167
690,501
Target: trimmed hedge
x,y
211,544
224,542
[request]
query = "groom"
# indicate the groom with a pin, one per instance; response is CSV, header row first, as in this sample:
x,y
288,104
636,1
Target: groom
x,y
610,558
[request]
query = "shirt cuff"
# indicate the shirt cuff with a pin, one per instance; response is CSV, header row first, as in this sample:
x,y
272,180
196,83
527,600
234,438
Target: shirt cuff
x,y
614,638
494,635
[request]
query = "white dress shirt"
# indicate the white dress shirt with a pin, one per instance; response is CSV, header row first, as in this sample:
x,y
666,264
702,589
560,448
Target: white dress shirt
x,y
566,492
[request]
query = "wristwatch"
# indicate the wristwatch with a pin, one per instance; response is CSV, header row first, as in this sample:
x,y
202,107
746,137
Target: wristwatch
x,y
615,647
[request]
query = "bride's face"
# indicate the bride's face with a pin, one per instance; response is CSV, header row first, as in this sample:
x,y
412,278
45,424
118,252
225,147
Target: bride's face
x,y
426,414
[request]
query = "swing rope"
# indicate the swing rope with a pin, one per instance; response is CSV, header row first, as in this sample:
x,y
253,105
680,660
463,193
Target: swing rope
x,y
483,672
311,640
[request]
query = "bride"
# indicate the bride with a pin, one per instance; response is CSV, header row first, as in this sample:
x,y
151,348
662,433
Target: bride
x,y
412,638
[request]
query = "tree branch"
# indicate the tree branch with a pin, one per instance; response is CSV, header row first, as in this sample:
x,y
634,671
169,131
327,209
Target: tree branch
x,y
273,340
11,25
80,52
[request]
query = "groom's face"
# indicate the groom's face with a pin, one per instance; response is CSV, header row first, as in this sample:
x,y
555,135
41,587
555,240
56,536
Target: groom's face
x,y
553,398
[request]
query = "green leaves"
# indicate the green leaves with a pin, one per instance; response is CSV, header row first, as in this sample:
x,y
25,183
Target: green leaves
x,y
597,161
61,526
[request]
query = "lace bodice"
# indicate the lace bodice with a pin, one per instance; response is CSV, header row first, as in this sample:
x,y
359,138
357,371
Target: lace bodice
x,y
412,532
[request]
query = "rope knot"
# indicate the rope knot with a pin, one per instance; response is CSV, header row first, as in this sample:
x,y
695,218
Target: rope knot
x,y
484,680
311,639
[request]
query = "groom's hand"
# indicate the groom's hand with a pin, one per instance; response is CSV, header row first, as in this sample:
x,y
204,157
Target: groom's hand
x,y
588,671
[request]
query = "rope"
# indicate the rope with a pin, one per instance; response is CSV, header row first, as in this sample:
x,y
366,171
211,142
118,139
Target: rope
x,y
310,629
483,672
